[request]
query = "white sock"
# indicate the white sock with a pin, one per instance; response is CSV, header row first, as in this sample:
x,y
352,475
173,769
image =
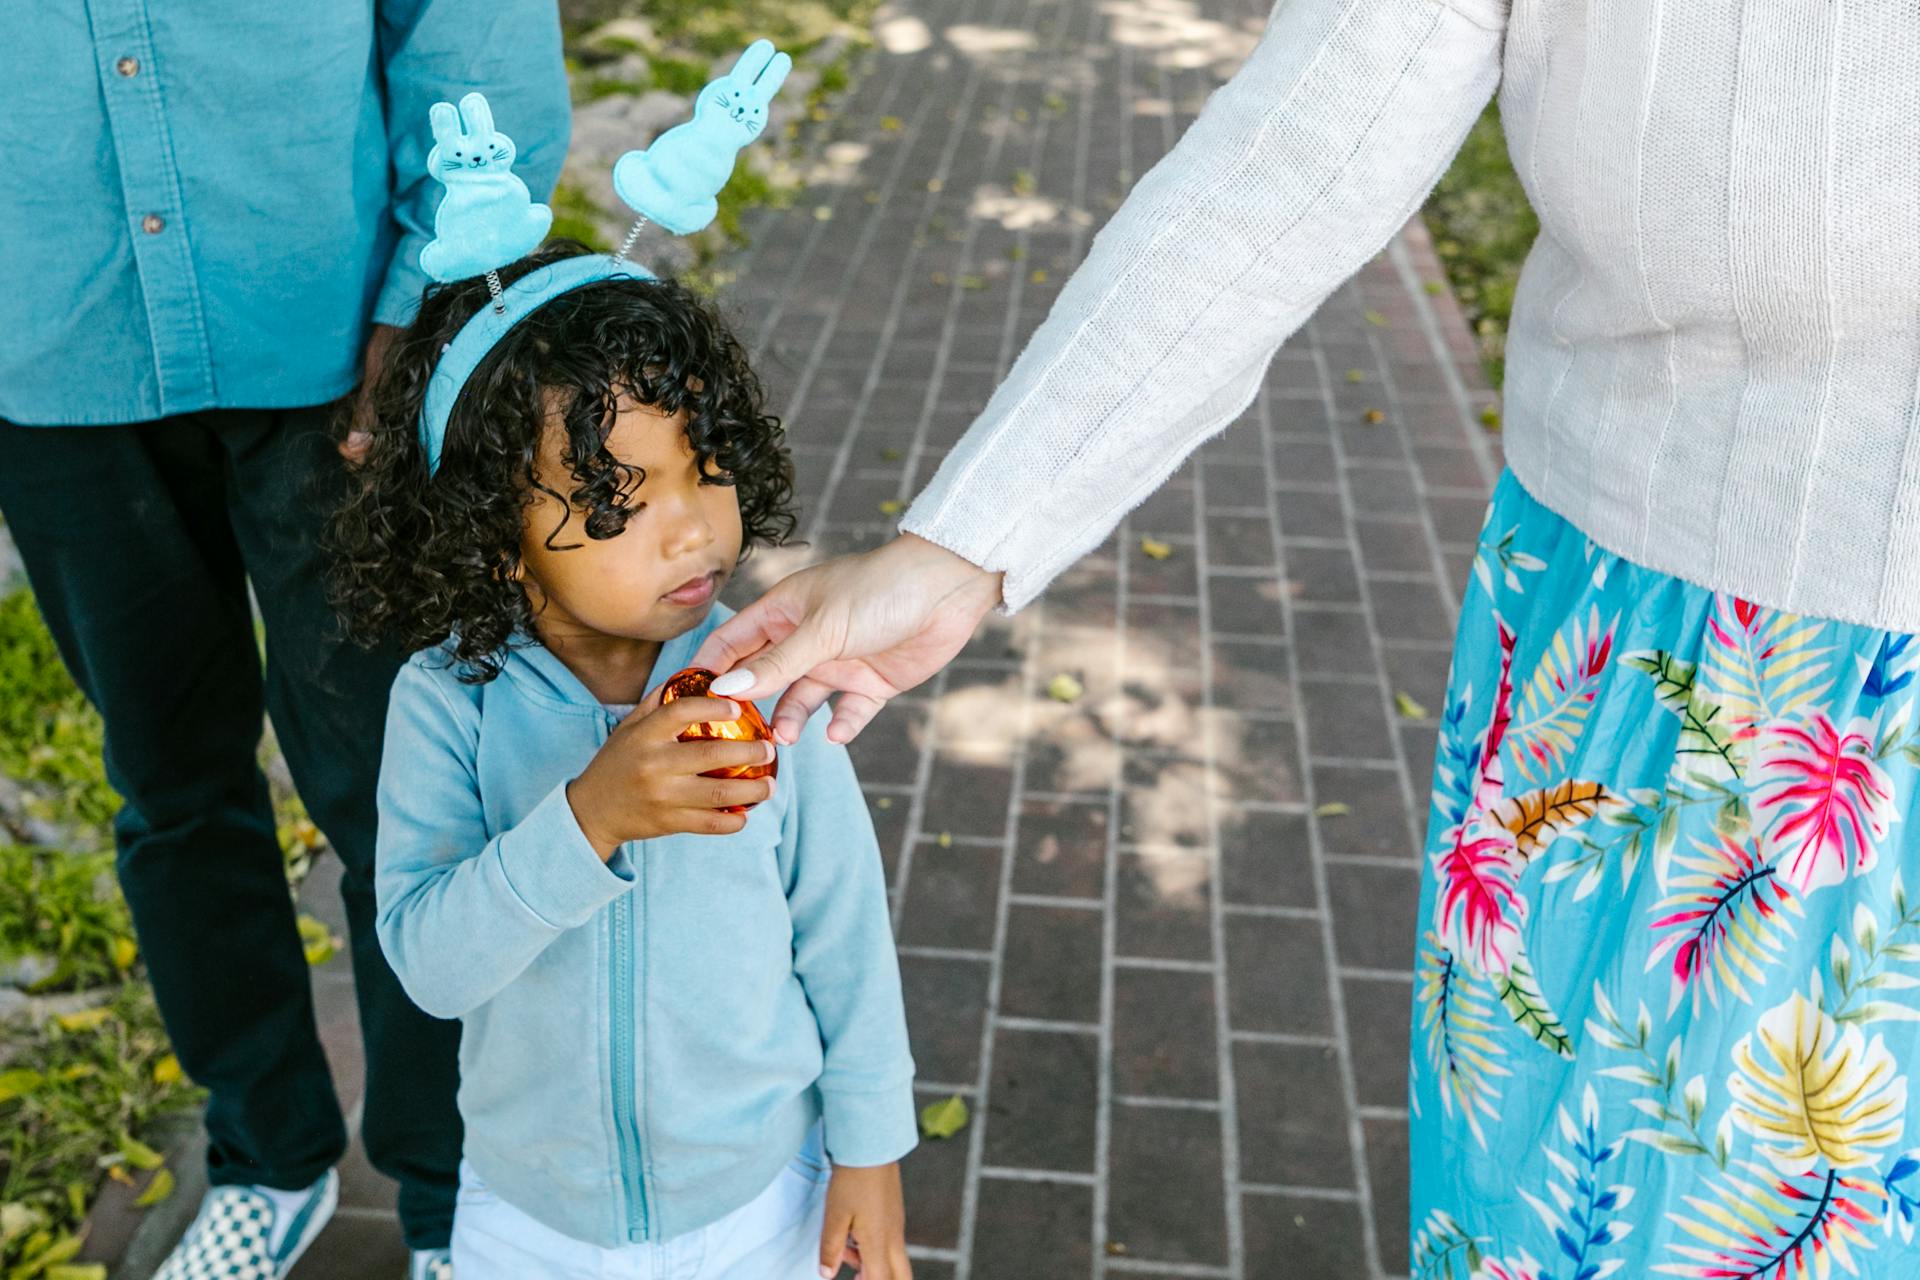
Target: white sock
x,y
286,1204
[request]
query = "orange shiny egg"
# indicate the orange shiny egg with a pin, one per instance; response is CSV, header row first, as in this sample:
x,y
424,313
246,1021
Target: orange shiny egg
x,y
692,683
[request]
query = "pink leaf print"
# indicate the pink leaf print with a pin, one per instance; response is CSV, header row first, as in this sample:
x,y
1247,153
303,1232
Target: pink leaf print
x,y
1723,922
1599,648
1829,801
1524,1267
1757,1225
1552,710
1480,910
1746,617
1487,791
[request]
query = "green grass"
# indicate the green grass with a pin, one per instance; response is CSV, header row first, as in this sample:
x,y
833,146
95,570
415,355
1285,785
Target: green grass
x,y
675,75
63,908
49,736
678,75
575,218
75,1097
834,78
1482,228
748,188
78,1093
715,30
591,88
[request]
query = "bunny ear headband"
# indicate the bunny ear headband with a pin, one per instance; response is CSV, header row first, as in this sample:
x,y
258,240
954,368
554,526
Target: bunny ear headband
x,y
487,218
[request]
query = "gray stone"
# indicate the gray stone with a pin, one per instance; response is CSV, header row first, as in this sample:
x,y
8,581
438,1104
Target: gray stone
x,y
27,971
620,33
12,572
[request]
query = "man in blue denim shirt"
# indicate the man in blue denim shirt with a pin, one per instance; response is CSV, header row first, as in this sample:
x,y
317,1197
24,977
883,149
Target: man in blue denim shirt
x,y
206,210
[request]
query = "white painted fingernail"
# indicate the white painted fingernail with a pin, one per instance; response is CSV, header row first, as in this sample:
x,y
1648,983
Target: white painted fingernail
x,y
733,682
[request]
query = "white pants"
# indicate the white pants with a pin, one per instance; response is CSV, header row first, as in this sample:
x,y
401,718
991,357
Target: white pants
x,y
775,1236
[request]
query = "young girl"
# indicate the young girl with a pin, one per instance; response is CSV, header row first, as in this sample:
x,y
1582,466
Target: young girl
x,y
684,1051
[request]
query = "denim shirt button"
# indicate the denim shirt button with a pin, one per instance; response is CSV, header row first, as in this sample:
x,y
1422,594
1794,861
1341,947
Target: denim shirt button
x,y
152,224
128,67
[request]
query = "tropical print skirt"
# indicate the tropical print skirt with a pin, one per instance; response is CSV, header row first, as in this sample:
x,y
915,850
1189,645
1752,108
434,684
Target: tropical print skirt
x,y
1667,991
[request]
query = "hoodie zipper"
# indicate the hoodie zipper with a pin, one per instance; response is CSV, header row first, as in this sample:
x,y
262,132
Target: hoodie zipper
x,y
626,1120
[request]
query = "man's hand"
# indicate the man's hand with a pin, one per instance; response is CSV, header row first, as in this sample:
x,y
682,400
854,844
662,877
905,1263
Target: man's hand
x,y
360,433
869,626
866,1224
644,782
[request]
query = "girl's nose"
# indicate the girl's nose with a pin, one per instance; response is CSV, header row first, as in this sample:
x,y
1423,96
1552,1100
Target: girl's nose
x,y
692,533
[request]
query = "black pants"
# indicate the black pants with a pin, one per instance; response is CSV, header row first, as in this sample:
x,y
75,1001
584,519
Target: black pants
x,y
139,542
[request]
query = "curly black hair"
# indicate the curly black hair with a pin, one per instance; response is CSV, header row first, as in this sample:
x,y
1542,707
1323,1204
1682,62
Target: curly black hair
x,y
419,559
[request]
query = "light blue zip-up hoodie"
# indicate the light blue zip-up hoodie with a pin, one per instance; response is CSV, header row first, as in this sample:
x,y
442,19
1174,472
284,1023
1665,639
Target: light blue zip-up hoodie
x,y
646,1041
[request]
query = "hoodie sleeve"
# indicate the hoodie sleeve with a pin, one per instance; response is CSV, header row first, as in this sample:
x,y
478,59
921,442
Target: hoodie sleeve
x,y
843,953
462,915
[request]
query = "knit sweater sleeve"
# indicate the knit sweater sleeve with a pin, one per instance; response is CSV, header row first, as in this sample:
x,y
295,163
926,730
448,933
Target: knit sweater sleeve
x,y
1296,172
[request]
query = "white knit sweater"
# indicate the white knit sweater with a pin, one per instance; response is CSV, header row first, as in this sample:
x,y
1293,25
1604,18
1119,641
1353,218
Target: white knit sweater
x,y
1714,362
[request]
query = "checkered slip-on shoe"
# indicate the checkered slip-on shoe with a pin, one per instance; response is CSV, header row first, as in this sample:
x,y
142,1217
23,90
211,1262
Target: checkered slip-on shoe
x,y
232,1238
431,1264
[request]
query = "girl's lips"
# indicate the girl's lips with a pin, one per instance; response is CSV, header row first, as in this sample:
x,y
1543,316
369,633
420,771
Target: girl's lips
x,y
699,591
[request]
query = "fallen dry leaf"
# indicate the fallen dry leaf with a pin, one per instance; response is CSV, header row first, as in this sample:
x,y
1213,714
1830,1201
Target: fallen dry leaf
x,y
944,1118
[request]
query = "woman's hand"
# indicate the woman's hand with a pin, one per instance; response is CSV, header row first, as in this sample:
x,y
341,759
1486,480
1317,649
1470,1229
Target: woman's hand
x,y
866,1224
644,782
868,626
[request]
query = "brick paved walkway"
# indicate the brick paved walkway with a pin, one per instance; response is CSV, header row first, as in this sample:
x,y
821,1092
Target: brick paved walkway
x,y
1175,995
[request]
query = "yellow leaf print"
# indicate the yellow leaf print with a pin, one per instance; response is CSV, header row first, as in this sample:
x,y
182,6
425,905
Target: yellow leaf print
x,y
1538,818
1809,1090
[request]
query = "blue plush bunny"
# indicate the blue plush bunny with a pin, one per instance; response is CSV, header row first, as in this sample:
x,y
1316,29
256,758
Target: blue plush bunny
x,y
674,181
488,217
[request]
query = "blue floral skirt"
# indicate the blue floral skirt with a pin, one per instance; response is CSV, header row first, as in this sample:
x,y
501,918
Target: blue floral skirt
x,y
1667,990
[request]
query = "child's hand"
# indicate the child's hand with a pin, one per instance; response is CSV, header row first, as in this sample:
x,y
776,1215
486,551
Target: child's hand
x,y
643,782
865,1204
